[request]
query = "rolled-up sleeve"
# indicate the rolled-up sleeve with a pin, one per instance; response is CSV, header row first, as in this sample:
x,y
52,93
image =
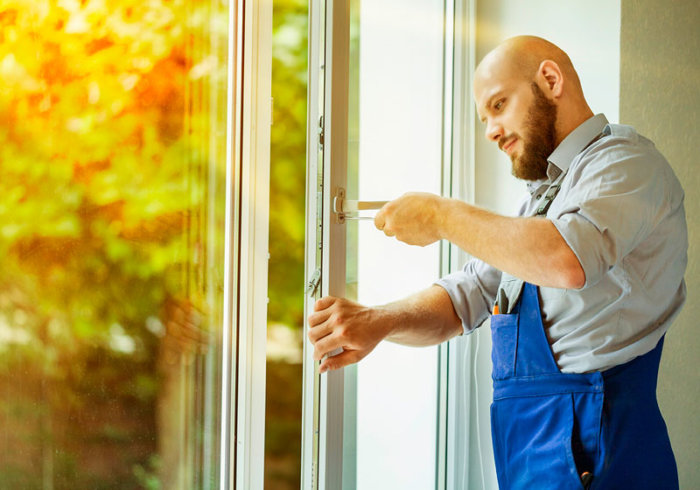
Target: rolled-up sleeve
x,y
472,291
614,200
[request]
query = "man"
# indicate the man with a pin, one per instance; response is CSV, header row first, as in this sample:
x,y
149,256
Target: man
x,y
582,285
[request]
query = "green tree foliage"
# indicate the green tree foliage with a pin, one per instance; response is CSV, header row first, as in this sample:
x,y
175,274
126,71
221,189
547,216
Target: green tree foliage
x,y
106,169
288,161
95,158
287,227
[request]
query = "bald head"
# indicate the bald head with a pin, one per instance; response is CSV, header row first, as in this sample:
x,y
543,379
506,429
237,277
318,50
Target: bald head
x,y
517,72
521,57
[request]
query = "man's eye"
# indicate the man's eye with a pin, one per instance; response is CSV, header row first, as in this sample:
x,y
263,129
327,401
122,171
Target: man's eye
x,y
498,105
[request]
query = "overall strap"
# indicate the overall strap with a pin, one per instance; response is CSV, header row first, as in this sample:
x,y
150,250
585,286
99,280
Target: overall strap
x,y
511,287
548,197
534,355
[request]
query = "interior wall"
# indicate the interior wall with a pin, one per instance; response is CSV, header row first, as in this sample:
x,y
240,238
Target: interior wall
x,y
660,73
589,31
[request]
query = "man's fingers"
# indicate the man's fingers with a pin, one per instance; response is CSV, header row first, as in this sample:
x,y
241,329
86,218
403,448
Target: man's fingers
x,y
317,318
339,324
379,220
324,303
341,360
318,321
326,345
319,331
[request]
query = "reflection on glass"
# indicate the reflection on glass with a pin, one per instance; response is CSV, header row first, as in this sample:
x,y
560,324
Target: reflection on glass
x,y
112,153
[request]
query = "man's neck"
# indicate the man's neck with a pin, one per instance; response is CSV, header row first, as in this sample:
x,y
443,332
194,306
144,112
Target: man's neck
x,y
569,120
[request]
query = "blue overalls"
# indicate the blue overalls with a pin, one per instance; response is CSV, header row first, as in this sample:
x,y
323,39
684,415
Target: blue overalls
x,y
555,430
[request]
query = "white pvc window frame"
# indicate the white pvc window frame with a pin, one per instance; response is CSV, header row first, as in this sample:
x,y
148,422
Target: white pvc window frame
x,y
327,459
323,398
245,263
463,453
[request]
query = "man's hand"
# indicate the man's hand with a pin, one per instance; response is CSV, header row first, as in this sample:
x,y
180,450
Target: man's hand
x,y
338,322
414,218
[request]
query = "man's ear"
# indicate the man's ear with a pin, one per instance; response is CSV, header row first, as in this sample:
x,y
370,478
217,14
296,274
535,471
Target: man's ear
x,y
550,76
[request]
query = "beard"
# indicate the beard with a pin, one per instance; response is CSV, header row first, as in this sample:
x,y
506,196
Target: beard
x,y
539,141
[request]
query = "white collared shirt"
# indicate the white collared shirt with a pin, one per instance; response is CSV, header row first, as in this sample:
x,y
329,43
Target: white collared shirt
x,y
620,209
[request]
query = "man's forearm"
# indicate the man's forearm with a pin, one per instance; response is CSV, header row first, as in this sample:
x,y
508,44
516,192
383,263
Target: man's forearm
x,y
425,318
529,248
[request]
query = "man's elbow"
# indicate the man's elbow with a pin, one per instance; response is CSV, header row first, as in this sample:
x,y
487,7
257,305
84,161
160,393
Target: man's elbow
x,y
573,276
570,273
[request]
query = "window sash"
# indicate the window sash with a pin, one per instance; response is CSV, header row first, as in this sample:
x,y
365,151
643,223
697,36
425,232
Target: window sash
x,y
247,223
325,414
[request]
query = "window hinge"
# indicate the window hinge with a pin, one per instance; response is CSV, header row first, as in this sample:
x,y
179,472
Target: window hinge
x,y
312,286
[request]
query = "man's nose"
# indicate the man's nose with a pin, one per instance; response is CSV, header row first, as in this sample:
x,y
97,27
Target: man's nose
x,y
494,131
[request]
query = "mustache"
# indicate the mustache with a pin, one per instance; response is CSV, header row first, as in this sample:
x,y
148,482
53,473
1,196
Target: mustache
x,y
504,139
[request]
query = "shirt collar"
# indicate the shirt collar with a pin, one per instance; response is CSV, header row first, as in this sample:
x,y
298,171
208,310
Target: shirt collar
x,y
575,142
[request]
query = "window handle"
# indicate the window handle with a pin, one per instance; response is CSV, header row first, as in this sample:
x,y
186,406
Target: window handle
x,y
346,209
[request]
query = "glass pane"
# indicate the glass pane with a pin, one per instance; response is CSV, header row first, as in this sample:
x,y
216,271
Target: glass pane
x,y
287,227
112,205
395,146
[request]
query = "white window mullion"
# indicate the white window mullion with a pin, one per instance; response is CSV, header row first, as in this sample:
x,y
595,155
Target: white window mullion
x,y
462,446
243,400
324,396
313,239
232,248
444,351
333,401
